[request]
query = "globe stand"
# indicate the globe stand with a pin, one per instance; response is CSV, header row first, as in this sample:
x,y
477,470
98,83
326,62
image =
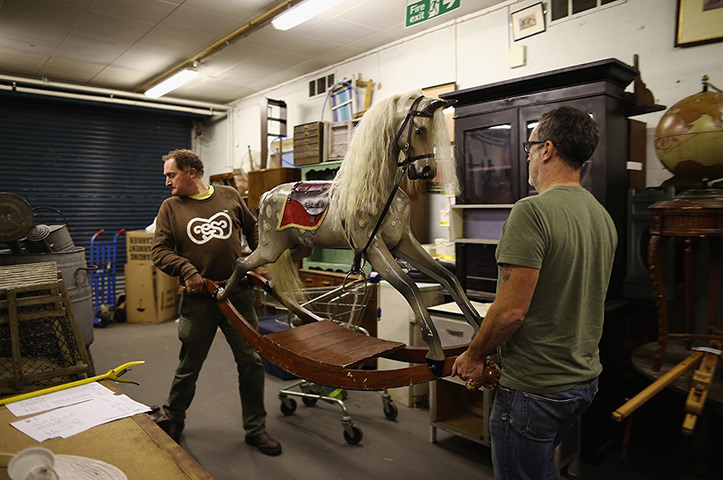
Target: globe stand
x,y
690,218
701,194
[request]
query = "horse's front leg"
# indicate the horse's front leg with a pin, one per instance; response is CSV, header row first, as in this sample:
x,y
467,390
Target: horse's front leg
x,y
410,250
266,253
384,263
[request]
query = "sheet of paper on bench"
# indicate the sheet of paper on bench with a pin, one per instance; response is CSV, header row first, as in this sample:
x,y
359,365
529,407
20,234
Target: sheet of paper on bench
x,y
61,398
67,421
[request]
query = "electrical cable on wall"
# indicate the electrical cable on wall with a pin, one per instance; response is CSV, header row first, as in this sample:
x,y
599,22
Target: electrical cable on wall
x,y
281,156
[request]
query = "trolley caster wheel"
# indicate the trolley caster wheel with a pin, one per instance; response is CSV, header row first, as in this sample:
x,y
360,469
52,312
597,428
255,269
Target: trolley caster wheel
x,y
391,411
309,401
100,322
290,408
355,437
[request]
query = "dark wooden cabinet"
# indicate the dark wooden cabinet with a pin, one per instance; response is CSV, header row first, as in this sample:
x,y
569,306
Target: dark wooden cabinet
x,y
492,121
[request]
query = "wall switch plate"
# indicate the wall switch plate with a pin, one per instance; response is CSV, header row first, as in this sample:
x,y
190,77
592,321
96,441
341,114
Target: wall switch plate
x,y
516,56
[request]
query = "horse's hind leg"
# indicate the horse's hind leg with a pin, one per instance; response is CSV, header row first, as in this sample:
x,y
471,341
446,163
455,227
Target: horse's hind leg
x,y
410,250
384,263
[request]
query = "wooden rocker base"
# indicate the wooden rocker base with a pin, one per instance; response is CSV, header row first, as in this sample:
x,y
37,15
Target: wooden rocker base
x,y
324,352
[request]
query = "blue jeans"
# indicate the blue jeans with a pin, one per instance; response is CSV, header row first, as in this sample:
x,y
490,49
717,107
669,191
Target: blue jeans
x,y
525,428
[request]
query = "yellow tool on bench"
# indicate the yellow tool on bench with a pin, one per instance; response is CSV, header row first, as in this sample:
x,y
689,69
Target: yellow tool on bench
x,y
113,374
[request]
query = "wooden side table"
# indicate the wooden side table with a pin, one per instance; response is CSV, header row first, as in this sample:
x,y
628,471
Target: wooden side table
x,y
691,219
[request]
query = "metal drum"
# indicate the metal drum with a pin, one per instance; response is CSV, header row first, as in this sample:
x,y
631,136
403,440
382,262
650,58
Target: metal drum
x,y
16,218
74,268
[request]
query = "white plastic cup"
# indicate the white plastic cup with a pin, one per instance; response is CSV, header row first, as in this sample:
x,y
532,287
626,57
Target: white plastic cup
x,y
31,464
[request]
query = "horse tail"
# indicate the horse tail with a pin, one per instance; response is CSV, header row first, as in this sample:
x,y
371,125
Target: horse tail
x,y
284,275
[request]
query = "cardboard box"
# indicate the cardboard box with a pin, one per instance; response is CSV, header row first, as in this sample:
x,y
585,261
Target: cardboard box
x,y
138,246
151,295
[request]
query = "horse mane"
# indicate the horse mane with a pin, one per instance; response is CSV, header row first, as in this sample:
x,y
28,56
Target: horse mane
x,y
368,171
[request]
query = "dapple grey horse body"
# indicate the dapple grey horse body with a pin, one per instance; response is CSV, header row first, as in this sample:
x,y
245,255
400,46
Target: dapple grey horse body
x,y
366,210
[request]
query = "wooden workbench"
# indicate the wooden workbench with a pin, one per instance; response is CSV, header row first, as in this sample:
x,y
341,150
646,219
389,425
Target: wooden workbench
x,y
135,444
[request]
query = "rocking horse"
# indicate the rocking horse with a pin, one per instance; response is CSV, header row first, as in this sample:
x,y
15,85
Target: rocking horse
x,y
362,209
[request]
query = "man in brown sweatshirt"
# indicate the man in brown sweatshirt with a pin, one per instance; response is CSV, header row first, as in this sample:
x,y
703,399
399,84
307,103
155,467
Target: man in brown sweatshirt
x,y
199,233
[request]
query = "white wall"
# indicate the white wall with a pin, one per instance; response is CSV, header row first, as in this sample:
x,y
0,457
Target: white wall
x,y
472,51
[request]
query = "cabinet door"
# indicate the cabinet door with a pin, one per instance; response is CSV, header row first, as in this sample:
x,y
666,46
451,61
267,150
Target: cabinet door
x,y
487,158
528,119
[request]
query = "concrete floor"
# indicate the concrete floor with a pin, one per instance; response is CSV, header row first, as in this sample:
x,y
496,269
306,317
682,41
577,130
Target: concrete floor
x,y
312,438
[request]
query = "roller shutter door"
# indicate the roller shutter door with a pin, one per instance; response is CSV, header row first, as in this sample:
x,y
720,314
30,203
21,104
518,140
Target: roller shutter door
x,y
99,164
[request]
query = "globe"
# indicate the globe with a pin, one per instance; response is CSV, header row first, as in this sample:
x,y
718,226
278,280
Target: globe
x,y
689,137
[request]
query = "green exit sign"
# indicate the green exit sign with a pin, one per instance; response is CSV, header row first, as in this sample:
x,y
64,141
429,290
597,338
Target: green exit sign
x,y
422,10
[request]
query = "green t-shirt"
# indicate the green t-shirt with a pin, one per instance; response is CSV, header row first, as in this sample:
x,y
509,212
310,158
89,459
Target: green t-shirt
x,y
571,238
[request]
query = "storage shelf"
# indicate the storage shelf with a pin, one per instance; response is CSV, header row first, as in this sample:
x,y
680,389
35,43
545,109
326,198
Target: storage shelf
x,y
465,425
479,206
478,223
485,241
459,411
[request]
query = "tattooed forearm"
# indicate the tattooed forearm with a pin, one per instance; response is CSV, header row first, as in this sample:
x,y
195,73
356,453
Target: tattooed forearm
x,y
506,270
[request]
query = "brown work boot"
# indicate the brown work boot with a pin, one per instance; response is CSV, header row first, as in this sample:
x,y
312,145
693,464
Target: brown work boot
x,y
265,443
175,429
171,427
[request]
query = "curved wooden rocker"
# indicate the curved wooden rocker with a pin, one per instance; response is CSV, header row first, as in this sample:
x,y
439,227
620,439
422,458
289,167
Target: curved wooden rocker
x,y
324,352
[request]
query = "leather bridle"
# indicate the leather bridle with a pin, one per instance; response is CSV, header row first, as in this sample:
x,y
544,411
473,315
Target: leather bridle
x,y
409,124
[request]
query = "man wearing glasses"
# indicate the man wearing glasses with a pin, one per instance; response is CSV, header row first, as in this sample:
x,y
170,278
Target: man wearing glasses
x,y
555,257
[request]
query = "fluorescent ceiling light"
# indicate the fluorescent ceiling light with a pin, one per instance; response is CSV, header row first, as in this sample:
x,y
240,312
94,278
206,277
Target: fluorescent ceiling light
x,y
172,83
302,12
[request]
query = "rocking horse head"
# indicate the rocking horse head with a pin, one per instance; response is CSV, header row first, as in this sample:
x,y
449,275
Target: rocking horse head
x,y
406,131
415,142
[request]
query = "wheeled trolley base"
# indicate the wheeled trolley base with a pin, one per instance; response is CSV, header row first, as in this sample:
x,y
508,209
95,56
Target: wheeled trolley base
x,y
311,393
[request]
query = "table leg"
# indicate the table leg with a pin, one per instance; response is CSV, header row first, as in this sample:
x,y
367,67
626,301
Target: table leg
x,y
689,258
715,250
656,248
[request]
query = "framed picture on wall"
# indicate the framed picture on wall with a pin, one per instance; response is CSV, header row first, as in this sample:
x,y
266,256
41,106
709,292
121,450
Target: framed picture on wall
x,y
698,22
528,21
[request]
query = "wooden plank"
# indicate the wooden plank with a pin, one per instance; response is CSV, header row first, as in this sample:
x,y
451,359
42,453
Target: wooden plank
x,y
30,274
328,342
77,336
15,341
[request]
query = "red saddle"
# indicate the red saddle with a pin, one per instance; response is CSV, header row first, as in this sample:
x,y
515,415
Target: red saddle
x,y
306,205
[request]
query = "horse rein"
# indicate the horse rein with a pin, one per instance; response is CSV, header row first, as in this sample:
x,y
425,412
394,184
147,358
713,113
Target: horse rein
x,y
408,122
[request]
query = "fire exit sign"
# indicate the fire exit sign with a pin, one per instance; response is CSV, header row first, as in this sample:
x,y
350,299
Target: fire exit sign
x,y
422,10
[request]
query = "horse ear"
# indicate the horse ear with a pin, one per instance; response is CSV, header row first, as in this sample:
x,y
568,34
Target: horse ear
x,y
436,104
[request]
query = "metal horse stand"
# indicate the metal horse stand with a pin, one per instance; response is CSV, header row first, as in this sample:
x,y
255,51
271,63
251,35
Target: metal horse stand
x,y
333,303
